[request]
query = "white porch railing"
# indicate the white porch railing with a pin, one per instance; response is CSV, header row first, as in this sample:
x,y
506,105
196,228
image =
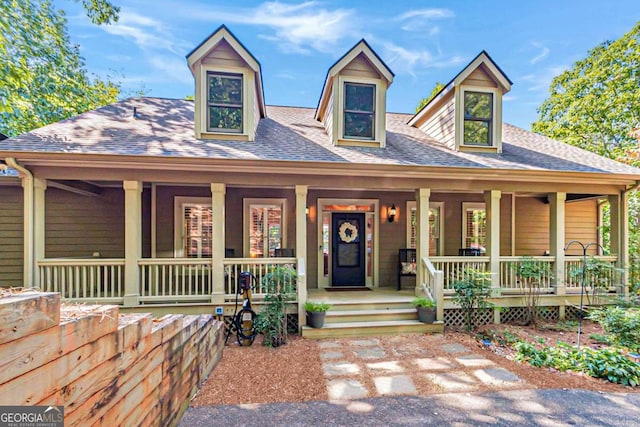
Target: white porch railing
x,y
453,268
258,267
434,286
573,281
509,266
175,279
99,280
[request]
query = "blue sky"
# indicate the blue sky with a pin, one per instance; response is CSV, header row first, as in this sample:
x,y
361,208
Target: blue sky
x,y
423,42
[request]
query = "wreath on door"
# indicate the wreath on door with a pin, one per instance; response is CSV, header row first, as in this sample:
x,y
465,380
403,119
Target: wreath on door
x,y
348,232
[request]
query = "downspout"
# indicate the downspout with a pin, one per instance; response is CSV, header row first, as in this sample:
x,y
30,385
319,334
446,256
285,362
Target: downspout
x,y
27,184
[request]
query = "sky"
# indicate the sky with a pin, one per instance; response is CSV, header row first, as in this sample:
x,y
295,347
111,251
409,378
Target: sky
x,y
422,42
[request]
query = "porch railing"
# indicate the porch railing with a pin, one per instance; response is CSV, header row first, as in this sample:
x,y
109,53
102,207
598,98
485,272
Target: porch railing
x,y
610,279
433,283
175,279
510,265
100,280
259,268
453,268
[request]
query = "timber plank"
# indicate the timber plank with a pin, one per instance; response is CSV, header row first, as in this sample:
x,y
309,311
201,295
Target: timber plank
x,y
38,383
32,351
28,313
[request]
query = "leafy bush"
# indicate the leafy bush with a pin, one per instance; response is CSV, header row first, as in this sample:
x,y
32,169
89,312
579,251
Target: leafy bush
x,y
621,324
606,363
472,291
272,320
531,274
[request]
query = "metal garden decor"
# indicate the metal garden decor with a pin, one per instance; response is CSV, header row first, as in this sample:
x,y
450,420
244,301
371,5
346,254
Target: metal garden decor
x,y
585,248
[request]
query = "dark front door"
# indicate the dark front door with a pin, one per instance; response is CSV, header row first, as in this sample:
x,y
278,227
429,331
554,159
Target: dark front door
x,y
348,254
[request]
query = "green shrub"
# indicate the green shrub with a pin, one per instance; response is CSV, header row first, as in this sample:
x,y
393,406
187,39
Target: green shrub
x,y
472,291
606,363
622,325
280,283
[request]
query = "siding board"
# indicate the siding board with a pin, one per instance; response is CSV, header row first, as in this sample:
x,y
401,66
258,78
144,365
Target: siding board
x,y
11,237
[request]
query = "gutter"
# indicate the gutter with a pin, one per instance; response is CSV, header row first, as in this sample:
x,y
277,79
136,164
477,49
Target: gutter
x,y
27,184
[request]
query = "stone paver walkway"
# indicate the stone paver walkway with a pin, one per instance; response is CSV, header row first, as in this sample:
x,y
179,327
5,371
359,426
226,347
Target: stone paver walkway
x,y
362,368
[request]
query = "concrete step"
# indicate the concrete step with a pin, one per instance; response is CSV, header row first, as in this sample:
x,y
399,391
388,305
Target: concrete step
x,y
373,328
347,316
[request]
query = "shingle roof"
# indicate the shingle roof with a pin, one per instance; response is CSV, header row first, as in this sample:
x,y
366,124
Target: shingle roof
x,y
164,127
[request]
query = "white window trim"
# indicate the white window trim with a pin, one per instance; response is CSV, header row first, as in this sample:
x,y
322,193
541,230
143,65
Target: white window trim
x,y
178,220
247,99
246,205
379,125
496,125
411,204
465,207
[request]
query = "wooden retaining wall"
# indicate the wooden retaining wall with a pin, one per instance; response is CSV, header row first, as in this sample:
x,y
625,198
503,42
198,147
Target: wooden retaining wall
x,y
106,368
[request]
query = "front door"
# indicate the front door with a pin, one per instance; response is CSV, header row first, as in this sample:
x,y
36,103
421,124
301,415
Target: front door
x,y
348,249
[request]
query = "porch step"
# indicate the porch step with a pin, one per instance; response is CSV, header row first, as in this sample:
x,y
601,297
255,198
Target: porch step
x,y
378,315
372,328
369,304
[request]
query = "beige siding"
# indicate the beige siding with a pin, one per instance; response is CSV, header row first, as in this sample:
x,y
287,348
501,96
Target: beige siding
x,y
11,237
479,77
256,109
78,226
441,123
327,120
224,55
532,225
360,67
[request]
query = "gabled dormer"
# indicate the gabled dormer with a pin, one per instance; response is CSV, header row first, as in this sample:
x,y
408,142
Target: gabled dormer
x,y
353,103
466,114
229,100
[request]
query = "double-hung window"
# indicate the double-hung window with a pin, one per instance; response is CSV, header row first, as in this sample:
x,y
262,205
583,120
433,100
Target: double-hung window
x,y
265,226
193,227
474,226
224,102
478,118
359,110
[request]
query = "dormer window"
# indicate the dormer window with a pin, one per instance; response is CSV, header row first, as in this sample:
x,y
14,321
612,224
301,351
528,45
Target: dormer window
x,y
224,102
478,118
359,110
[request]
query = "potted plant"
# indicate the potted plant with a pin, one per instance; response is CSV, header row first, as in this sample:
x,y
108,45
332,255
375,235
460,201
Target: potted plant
x,y
426,309
316,312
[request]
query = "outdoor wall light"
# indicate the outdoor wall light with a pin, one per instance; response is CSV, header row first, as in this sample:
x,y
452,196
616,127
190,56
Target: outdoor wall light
x,y
306,210
391,214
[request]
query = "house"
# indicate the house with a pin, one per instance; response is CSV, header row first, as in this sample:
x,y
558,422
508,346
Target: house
x,y
153,202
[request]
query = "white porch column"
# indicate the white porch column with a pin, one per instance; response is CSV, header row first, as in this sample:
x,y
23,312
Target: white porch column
x,y
557,237
218,192
422,233
619,234
132,240
301,249
39,188
492,206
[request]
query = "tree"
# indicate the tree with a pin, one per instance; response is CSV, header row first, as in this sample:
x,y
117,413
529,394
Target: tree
x,y
42,74
436,89
595,105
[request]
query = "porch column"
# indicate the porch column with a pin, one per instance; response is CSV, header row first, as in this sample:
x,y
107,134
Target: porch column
x,y
422,233
301,249
619,216
39,188
218,192
132,240
492,205
557,237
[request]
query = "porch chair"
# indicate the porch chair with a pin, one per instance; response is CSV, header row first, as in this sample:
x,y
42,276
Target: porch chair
x,y
406,264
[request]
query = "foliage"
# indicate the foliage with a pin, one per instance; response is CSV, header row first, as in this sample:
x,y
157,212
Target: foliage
x,y
272,319
316,307
424,101
595,105
599,275
622,325
42,73
531,274
605,363
471,293
600,339
423,302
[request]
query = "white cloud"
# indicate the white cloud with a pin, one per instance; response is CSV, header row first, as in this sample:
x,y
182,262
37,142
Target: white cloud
x,y
544,52
174,68
422,19
297,28
402,60
507,98
540,82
